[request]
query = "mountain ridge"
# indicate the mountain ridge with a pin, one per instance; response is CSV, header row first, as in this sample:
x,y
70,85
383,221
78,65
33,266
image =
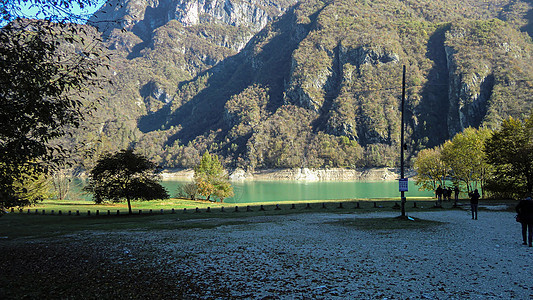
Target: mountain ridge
x,y
318,85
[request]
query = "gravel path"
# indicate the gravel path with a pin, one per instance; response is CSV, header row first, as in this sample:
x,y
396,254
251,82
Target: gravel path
x,y
307,257
304,256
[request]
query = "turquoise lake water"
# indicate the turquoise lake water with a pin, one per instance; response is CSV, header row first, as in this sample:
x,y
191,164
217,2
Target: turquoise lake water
x,y
272,191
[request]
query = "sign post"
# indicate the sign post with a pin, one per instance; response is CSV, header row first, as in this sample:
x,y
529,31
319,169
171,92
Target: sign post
x,y
402,147
404,185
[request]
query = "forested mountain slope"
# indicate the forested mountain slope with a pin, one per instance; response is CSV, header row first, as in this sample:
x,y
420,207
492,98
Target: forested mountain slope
x,y
276,84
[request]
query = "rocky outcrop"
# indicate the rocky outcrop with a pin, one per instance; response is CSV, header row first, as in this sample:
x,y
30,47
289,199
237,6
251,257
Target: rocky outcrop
x,y
143,16
314,91
468,95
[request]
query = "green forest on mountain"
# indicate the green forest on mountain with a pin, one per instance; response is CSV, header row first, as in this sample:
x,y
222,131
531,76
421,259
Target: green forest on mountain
x,y
319,86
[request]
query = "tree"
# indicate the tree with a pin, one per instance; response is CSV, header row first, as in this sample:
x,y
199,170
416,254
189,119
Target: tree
x,y
430,169
465,156
510,151
61,181
211,178
44,67
125,175
190,189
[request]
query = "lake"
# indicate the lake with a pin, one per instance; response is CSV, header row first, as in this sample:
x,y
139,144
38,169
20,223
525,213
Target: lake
x,y
273,191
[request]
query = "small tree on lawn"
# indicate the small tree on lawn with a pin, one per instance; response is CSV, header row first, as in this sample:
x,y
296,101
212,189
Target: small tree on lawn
x,y
125,175
211,179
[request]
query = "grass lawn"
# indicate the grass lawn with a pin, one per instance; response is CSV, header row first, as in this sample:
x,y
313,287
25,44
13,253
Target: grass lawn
x,y
198,214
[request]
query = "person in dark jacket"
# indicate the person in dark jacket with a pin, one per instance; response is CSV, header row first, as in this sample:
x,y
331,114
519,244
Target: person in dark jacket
x,y
456,192
525,215
474,201
438,193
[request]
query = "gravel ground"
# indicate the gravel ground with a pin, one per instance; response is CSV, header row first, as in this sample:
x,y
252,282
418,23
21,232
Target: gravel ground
x,y
307,257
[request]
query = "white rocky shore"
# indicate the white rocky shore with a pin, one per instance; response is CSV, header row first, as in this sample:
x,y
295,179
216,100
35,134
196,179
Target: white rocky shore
x,y
307,257
299,174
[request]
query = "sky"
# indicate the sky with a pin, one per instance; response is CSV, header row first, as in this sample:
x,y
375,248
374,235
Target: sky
x,y
32,12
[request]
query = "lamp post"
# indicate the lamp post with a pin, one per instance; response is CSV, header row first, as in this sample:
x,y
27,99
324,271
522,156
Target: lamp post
x,y
403,181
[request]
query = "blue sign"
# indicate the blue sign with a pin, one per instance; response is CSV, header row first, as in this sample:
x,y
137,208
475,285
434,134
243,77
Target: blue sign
x,y
404,185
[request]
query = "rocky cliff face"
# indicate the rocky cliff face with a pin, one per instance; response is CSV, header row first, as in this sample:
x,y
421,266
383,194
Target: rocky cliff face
x,y
282,83
468,95
479,74
142,17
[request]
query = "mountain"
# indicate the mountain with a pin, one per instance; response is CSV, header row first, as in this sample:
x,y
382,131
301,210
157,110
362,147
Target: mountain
x,y
281,84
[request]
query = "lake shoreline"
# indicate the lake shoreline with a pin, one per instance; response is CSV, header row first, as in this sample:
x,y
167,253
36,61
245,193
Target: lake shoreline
x,y
299,174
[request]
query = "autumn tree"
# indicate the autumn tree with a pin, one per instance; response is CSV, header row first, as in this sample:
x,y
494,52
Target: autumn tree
x,y
510,151
430,169
461,160
125,175
211,179
465,157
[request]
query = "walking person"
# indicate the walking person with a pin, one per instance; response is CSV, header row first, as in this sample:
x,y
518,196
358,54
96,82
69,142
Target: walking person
x,y
525,217
474,201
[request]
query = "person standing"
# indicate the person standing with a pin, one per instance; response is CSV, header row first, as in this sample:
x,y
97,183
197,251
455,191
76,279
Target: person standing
x,y
525,215
474,201
438,193
456,194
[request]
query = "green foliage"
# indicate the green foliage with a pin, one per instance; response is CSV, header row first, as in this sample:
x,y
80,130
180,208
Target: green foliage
x,y
431,171
510,151
324,72
124,175
42,66
211,179
24,186
465,157
461,160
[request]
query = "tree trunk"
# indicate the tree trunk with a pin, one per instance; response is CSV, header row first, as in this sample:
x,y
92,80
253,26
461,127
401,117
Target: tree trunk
x,y
129,206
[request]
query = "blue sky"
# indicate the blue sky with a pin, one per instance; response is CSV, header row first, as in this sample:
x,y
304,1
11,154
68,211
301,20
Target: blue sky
x,y
32,12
